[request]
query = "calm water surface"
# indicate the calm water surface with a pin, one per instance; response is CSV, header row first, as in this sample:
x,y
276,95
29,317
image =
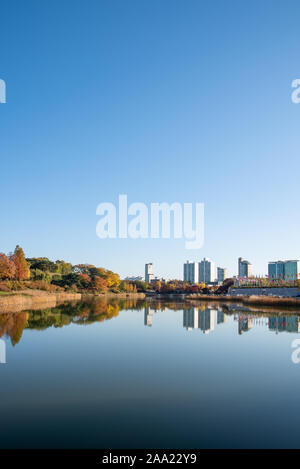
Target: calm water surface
x,y
159,375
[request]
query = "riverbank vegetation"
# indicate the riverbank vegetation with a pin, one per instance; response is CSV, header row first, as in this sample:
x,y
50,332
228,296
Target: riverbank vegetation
x,y
18,273
40,273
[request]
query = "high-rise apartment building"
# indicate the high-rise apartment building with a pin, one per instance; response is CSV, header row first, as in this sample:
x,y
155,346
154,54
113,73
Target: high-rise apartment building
x,y
206,271
221,274
149,272
190,272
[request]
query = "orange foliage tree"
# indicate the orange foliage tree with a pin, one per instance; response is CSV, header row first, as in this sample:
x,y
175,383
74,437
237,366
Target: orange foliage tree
x,y
21,266
7,267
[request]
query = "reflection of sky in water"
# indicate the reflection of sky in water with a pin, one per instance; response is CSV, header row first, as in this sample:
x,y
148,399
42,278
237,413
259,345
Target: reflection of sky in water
x,y
199,377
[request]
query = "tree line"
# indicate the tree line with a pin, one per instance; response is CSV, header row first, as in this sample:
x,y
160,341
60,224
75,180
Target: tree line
x,y
18,272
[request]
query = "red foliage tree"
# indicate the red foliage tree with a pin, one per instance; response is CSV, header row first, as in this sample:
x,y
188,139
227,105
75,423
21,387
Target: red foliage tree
x,y
100,284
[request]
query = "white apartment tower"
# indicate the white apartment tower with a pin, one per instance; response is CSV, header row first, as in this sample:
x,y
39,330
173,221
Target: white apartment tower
x,y
149,272
190,272
206,271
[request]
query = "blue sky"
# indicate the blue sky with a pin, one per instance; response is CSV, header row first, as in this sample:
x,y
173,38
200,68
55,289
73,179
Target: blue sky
x,y
163,101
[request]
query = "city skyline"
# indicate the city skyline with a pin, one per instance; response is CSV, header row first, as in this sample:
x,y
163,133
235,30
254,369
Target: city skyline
x,y
191,271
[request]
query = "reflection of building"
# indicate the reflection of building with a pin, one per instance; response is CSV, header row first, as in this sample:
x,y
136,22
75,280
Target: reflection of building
x,y
190,272
245,324
284,323
207,320
190,318
245,268
292,324
149,272
206,271
277,323
148,316
221,317
221,274
194,318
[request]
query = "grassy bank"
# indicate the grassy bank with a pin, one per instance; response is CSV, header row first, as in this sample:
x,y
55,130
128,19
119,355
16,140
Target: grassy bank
x,y
39,299
34,299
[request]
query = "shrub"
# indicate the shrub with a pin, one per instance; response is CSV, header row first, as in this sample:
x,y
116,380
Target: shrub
x,y
42,285
4,288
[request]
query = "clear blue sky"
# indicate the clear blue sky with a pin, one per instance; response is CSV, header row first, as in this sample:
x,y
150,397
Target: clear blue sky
x,y
163,100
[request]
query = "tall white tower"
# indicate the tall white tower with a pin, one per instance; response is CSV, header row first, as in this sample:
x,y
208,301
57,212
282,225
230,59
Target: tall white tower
x,y
149,272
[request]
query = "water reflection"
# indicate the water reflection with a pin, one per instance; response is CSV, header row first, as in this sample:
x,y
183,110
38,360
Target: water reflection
x,y
204,317
12,325
196,318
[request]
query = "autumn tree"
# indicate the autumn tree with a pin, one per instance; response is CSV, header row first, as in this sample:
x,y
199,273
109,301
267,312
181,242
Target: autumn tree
x,y
99,284
112,279
7,267
63,267
84,280
157,285
21,266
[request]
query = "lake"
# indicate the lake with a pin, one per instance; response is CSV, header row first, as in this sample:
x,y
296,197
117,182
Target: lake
x,y
138,374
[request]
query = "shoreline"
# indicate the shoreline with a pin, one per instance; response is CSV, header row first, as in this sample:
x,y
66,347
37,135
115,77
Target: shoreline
x,y
114,295
16,302
248,300
34,299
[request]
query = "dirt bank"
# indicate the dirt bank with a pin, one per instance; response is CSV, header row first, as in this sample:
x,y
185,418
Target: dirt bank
x,y
38,299
34,299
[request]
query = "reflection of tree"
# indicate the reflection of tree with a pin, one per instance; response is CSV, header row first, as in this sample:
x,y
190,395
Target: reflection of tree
x,y
12,325
97,311
87,312
162,305
41,320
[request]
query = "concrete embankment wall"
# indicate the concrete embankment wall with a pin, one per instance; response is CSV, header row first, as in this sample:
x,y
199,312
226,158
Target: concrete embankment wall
x,y
34,300
276,291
